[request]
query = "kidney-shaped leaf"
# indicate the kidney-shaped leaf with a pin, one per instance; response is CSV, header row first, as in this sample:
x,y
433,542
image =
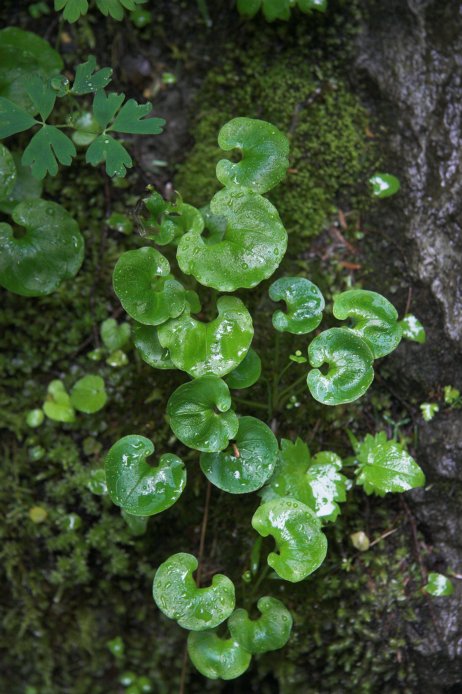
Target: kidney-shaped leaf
x,y
250,250
176,594
217,658
265,151
145,288
374,319
301,545
200,414
247,373
209,348
50,250
245,466
350,367
147,343
136,486
89,394
305,305
269,632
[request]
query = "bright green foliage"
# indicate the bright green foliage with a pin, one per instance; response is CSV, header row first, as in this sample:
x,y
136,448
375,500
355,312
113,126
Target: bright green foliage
x,y
384,185
74,9
216,347
278,9
350,367
217,658
269,632
264,149
113,335
413,329
147,343
301,546
97,482
89,394
374,318
50,251
177,595
168,221
247,373
136,486
200,414
384,466
305,305
47,147
327,484
145,288
35,418
25,186
429,409
251,249
439,586
451,395
246,466
57,405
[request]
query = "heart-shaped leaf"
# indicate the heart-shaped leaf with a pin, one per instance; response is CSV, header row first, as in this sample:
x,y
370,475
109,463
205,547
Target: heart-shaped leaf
x,y
136,486
209,348
176,594
439,586
247,373
50,251
350,367
374,319
305,305
58,406
289,478
264,149
251,249
89,394
384,185
200,414
248,463
113,335
145,288
269,632
217,658
412,328
384,466
328,486
146,340
301,545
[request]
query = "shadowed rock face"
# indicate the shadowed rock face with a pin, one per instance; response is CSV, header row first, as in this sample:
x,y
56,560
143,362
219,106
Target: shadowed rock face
x,y
410,61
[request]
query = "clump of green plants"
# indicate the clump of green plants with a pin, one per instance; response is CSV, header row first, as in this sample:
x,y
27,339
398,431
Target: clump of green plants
x,y
278,9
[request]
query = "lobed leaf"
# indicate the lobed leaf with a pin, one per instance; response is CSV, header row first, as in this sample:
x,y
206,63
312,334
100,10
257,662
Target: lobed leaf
x,y
328,486
58,406
106,149
88,79
73,9
113,335
48,147
305,305
289,478
13,119
131,119
168,221
269,632
41,93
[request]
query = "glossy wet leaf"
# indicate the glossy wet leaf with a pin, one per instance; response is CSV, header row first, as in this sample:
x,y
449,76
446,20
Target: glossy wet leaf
x,y
168,221
146,341
117,359
304,301
264,149
269,632
413,329
374,319
57,405
143,284
289,477
301,546
384,185
25,187
216,657
384,466
121,223
176,594
250,251
7,172
97,483
350,367
89,394
136,486
439,585
50,251
328,486
47,147
105,149
200,414
246,466
113,335
247,373
88,79
216,347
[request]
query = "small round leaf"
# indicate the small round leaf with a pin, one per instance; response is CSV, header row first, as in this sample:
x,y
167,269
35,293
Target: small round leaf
x,y
113,335
57,405
89,394
247,373
217,658
439,586
146,340
305,305
269,632
384,185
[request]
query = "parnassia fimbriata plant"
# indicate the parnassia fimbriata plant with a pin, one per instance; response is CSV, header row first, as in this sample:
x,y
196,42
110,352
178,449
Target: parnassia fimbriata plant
x,y
237,242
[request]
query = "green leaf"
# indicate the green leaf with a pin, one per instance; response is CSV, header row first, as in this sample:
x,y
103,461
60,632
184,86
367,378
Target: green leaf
x,y
451,395
7,172
328,485
289,478
113,335
25,186
250,251
120,222
136,486
209,348
105,106
248,8
384,185
305,305
41,93
413,329
147,343
247,465
439,586
168,221
247,373
301,545
264,150
13,119
73,9
429,409
48,147
50,251
106,149
350,367
145,288
97,482
58,405
136,524
176,594
87,79
308,5
131,119
384,466
215,657
374,319
269,632
34,418
117,359
89,394
200,414
115,8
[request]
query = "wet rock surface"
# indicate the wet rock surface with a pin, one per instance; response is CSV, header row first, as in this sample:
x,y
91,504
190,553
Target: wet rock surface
x,y
409,59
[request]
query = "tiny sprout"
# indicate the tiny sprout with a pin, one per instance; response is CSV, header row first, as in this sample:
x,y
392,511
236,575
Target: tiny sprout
x,y
384,185
35,418
116,646
439,586
37,514
429,409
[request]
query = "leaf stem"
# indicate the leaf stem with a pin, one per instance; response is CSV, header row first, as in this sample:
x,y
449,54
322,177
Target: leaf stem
x,y
251,403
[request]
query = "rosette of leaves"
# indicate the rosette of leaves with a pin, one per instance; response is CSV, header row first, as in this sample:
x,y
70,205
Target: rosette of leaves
x,y
278,9
305,305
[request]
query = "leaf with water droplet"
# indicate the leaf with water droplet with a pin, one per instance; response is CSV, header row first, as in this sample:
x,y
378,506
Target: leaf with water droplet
x,y
146,341
269,632
305,305
132,119
328,486
106,149
439,586
7,172
384,185
289,477
413,329
216,657
88,79
168,221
